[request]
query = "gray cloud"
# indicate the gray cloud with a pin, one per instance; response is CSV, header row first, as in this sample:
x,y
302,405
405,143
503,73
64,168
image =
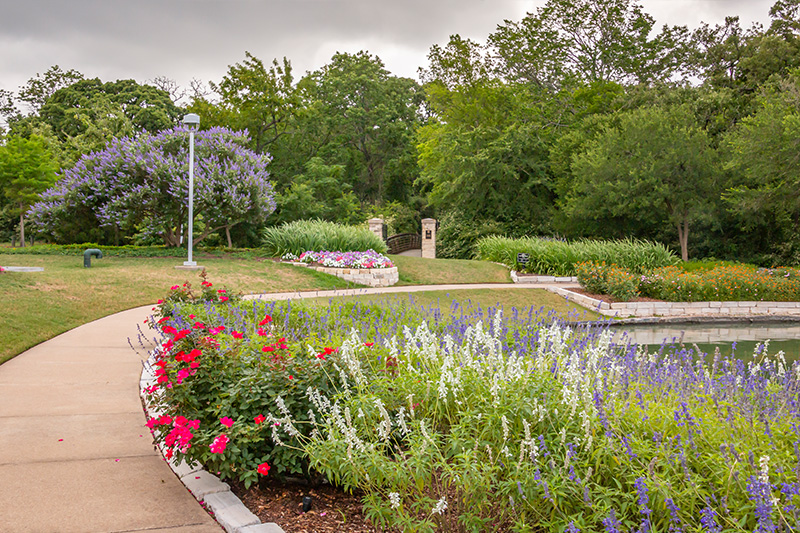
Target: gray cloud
x,y
185,39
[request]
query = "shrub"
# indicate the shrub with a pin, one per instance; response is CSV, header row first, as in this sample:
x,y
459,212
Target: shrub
x,y
592,276
621,284
457,236
599,278
303,235
559,258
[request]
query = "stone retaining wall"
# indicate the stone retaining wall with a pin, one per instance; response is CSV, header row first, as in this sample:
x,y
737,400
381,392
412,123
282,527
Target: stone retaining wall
x,y
682,309
371,277
527,278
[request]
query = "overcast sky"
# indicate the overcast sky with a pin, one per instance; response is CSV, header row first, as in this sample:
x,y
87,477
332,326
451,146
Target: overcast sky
x,y
185,39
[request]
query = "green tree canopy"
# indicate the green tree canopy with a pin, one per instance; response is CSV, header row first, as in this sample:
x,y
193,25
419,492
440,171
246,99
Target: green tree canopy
x,y
26,170
655,161
764,153
255,98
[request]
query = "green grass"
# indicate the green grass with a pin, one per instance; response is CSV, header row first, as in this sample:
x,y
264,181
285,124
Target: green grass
x,y
418,271
456,301
40,305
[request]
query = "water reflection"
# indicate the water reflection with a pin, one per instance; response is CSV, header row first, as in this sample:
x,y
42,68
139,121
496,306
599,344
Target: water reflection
x,y
747,337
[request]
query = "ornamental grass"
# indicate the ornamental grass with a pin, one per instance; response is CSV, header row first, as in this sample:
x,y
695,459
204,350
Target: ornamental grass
x,y
302,235
560,258
482,420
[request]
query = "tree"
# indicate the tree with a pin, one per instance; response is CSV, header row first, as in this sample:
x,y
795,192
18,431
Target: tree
x,y
148,108
591,40
319,193
364,118
139,184
42,87
253,97
657,161
485,155
763,153
26,170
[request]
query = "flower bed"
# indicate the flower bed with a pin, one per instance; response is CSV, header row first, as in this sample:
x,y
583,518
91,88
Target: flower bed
x,y
366,268
481,422
721,284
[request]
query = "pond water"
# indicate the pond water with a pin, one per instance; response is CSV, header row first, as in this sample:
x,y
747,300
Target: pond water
x,y
747,337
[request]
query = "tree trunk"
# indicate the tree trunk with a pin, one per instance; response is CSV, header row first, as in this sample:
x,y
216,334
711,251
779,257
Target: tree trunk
x,y
683,238
22,230
228,236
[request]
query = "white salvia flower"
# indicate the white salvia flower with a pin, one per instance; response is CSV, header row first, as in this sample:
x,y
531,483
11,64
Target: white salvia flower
x,y
394,498
495,390
506,453
764,463
440,506
410,399
385,426
360,413
588,475
504,422
401,421
425,433
281,406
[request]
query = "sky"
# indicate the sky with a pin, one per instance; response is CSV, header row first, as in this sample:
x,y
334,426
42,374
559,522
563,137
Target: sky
x,y
198,39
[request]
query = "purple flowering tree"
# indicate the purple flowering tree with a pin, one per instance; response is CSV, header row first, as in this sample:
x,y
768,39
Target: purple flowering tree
x,y
141,184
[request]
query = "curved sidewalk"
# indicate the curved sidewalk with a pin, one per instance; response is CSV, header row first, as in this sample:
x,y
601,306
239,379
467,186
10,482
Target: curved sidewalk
x,y
76,455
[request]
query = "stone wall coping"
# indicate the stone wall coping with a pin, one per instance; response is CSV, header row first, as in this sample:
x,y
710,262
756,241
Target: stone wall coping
x,y
677,309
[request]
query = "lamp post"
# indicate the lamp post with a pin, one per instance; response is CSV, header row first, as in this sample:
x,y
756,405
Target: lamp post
x,y
192,121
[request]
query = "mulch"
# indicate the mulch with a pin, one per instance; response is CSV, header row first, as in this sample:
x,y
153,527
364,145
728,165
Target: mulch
x,y
332,510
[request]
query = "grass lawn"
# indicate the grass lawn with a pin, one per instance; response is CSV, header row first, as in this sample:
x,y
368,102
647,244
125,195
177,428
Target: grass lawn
x,y
456,301
40,305
418,271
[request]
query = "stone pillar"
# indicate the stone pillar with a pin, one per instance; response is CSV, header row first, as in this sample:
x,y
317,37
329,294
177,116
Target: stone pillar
x,y
376,227
429,238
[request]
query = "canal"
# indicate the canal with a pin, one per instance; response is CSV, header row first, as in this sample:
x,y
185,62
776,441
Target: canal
x,y
741,339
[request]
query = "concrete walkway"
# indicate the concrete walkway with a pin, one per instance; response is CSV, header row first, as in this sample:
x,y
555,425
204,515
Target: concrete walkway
x,y
76,455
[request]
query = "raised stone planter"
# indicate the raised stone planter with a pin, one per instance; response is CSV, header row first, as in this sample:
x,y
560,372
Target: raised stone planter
x,y
371,277
681,309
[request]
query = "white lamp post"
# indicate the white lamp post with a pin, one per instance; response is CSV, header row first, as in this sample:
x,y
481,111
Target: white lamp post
x,y
192,121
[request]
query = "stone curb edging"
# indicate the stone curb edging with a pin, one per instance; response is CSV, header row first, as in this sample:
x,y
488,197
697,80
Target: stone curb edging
x,y
22,269
525,278
371,277
211,492
727,310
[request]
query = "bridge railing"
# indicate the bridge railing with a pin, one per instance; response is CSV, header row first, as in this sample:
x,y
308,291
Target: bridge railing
x,y
403,242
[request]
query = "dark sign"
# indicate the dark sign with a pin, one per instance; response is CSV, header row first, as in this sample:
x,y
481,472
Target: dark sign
x,y
427,234
523,259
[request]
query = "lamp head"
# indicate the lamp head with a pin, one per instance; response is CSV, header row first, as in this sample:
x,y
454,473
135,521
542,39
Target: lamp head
x,y
191,120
